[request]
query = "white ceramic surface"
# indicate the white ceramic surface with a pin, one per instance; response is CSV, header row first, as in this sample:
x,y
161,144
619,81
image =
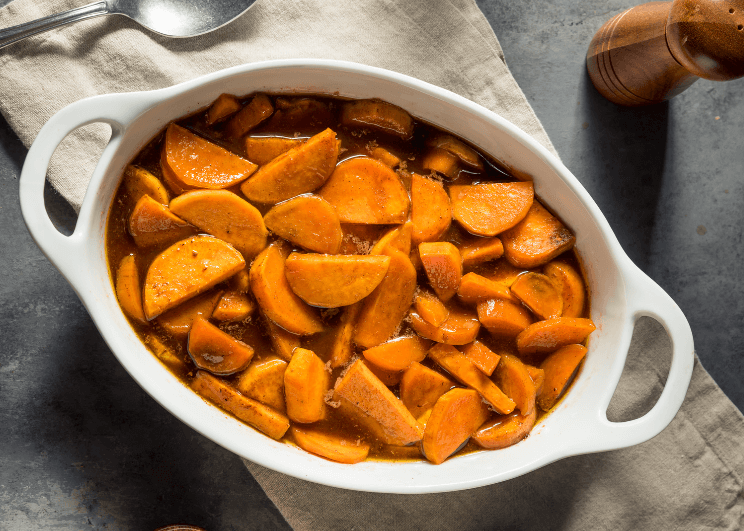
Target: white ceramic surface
x,y
620,291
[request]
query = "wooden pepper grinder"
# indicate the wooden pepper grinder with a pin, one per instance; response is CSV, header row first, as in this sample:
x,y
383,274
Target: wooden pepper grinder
x,y
652,52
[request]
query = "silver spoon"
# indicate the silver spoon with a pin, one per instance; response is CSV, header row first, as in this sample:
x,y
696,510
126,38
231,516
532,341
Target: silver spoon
x,y
172,18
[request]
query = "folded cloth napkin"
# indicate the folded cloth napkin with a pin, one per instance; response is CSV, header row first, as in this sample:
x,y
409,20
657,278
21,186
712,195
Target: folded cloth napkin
x,y
689,477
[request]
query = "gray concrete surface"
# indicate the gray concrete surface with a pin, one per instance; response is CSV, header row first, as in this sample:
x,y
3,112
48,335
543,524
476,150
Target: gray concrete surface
x,y
83,447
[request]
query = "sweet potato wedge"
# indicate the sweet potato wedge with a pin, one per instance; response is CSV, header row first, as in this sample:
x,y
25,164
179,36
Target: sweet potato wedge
x,y
300,170
138,182
537,239
465,153
331,281
253,413
264,381
305,385
460,328
152,224
308,221
430,308
538,377
505,273
240,282
364,190
330,446
193,162
482,357
442,162
177,322
503,318
275,296
539,294
570,285
475,289
421,387
430,209
480,250
263,149
378,115
284,342
129,290
454,418
225,105
185,269
165,354
443,267
389,378
214,351
397,354
514,380
341,348
384,156
552,334
558,368
258,110
398,238
505,430
489,209
233,306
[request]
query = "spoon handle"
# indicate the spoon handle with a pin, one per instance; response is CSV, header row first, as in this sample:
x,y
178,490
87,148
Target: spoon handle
x,y
16,33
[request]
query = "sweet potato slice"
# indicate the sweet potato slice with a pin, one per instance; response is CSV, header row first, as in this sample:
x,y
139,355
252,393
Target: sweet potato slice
x,y
193,162
331,281
539,294
129,290
342,348
378,115
250,116
185,269
475,289
253,413
443,267
264,381
537,239
225,215
460,328
152,224
389,378
165,354
225,105
240,282
384,308
430,308
538,377
505,430
284,342
308,221
456,415
441,161
364,190
552,334
177,322
481,250
300,170
503,318
213,350
330,446
489,209
263,149
397,354
275,296
384,156
430,209
398,238
514,380
138,182
558,368
305,385
570,285
233,306
363,389
465,371
465,153
421,387
482,357
505,273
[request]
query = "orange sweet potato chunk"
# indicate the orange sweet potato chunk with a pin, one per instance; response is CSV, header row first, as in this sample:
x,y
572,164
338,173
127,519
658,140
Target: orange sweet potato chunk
x,y
305,385
397,354
224,106
225,215
153,224
263,149
253,413
177,322
342,347
443,267
465,153
489,209
421,387
185,269
482,357
378,115
215,351
480,250
475,289
128,289
441,161
537,239
559,367
514,380
505,430
364,190
264,381
330,446
459,328
552,334
569,283
389,378
250,116
308,221
331,281
539,294
430,308
503,318
398,238
233,306
537,375
430,209
384,156
456,415
138,182
283,342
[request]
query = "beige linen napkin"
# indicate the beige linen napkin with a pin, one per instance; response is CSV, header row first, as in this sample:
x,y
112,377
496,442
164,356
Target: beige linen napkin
x,y
689,477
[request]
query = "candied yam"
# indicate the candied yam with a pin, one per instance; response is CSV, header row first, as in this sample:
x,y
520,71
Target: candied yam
x,y
443,267
430,308
300,170
397,354
215,351
240,282
264,381
537,239
263,149
514,380
505,273
460,328
538,377
570,285
481,250
342,348
384,308
139,182
465,153
378,115
233,306
331,281
503,318
454,418
505,430
558,369
552,334
364,190
475,289
421,387
129,290
308,221
398,238
153,224
430,209
365,390
284,342
250,411
305,385
384,156
194,162
164,353
465,371
225,215
389,378
225,105
177,322
250,116
442,162
185,269
482,357
488,209
538,293
330,446
169,176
